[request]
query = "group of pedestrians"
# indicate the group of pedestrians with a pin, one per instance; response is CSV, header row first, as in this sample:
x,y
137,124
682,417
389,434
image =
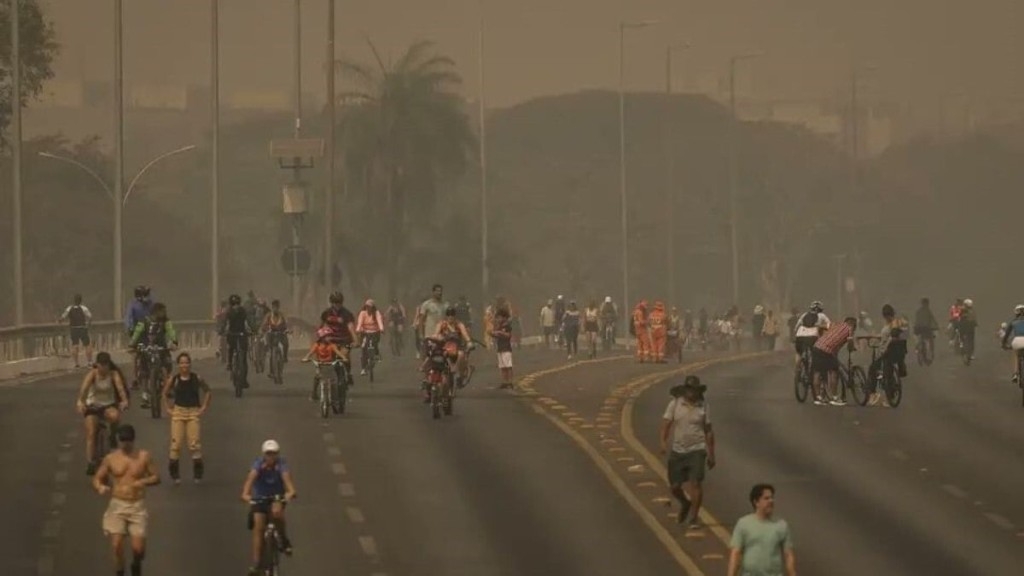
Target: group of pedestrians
x,y
761,544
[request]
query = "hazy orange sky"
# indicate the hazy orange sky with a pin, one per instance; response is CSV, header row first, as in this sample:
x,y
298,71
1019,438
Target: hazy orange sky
x,y
536,47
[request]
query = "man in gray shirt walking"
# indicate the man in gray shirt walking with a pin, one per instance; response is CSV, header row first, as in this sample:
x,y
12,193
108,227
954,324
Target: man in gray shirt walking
x,y
688,422
762,545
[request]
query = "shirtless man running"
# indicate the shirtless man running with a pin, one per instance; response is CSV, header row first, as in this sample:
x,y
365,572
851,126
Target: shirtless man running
x,y
129,471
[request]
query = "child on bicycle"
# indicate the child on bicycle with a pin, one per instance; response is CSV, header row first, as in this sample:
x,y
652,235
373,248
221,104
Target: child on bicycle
x,y
325,351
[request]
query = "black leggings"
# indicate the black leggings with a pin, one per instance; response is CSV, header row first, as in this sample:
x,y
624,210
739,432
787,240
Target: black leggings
x,y
572,336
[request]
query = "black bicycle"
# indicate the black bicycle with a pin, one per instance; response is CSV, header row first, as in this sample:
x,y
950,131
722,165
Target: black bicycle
x,y
925,349
238,365
803,377
275,341
396,337
156,373
607,336
370,354
272,542
889,377
854,378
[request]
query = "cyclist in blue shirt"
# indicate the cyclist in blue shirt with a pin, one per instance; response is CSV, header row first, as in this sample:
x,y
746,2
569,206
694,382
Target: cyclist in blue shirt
x,y
268,478
1013,336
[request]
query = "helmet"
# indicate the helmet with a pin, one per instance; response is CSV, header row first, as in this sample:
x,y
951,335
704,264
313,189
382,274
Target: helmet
x,y
888,311
323,332
1018,309
968,302
758,309
450,311
607,299
141,291
271,446
863,314
337,297
234,300
817,306
369,303
559,296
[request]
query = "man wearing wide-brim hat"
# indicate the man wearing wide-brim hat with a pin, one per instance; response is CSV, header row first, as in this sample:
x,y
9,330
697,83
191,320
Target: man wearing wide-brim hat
x,y
688,423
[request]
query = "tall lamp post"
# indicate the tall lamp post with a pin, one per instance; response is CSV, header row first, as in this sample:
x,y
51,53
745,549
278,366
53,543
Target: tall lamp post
x,y
623,26
484,267
734,174
331,120
215,155
19,264
118,205
670,169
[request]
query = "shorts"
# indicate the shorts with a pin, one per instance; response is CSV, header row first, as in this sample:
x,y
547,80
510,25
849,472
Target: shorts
x,y
804,342
822,362
97,409
549,330
79,336
687,466
125,517
504,360
1017,343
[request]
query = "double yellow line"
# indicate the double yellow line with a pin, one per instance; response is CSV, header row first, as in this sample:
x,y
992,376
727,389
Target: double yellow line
x,y
635,388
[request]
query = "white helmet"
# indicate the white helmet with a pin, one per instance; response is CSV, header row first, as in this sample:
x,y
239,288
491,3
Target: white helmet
x,y
1018,309
271,446
608,299
968,302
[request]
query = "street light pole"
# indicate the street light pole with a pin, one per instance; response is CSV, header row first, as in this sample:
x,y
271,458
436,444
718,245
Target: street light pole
x,y
670,167
118,156
329,189
19,262
623,26
484,270
734,175
215,153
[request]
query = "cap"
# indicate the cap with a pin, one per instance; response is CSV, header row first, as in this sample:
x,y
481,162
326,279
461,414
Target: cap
x,y
271,446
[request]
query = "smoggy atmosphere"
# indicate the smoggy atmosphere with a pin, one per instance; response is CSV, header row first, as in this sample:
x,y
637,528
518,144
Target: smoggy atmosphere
x,y
800,211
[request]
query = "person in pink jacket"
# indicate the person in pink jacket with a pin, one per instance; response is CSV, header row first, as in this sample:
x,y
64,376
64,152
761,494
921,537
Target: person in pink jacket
x,y
370,327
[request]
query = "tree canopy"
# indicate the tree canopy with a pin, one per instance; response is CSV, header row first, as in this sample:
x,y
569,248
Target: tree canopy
x,y
39,48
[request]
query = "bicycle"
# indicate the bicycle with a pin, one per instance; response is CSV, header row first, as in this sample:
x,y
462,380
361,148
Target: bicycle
x,y
370,354
103,435
276,345
156,373
440,380
889,378
238,365
925,349
852,377
608,336
396,338
272,543
1019,376
331,389
803,377
258,353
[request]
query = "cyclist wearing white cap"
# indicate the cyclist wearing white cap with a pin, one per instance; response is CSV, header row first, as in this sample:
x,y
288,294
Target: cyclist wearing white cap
x,y
267,489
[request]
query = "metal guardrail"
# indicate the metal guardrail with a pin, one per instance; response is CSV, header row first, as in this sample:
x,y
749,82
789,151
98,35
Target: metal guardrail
x,y
54,340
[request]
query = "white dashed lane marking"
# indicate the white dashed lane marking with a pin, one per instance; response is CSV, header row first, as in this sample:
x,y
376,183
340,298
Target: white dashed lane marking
x,y
1000,521
368,544
338,468
58,497
346,490
355,515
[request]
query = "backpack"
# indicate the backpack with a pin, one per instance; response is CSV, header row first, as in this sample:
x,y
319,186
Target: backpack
x,y
809,320
76,316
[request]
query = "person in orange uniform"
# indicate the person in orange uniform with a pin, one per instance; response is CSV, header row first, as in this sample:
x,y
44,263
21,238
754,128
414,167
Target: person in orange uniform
x,y
659,331
643,337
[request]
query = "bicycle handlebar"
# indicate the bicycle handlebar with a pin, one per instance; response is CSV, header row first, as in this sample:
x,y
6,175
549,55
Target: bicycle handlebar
x,y
270,499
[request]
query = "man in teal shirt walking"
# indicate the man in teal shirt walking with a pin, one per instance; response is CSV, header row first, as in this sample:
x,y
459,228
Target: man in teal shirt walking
x,y
762,545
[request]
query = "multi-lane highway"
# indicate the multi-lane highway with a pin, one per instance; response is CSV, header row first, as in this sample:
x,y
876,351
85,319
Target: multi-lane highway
x,y
560,480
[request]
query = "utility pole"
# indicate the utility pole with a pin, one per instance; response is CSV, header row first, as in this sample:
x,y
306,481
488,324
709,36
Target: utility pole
x,y
118,156
215,159
329,189
484,271
297,170
19,262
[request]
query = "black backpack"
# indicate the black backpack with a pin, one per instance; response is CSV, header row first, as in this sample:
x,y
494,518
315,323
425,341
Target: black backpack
x,y
76,316
809,320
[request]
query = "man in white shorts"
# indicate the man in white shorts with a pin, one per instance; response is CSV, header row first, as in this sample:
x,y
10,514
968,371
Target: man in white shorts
x,y
502,334
129,472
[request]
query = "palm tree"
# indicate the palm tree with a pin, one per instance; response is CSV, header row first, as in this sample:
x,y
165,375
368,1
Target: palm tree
x,y
407,140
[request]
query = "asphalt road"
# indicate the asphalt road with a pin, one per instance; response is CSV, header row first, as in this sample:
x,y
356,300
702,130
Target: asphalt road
x,y
384,489
931,487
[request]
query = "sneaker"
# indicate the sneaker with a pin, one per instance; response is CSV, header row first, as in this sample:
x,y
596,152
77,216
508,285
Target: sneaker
x,y
874,399
819,402
362,372
684,512
837,402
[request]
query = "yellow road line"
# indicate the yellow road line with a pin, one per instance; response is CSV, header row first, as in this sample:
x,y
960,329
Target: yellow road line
x,y
663,535
639,386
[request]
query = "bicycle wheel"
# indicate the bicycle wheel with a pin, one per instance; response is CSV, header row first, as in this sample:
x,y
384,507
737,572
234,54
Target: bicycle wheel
x,y
894,388
236,373
435,401
155,386
341,392
801,383
326,391
858,385
269,560
372,362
